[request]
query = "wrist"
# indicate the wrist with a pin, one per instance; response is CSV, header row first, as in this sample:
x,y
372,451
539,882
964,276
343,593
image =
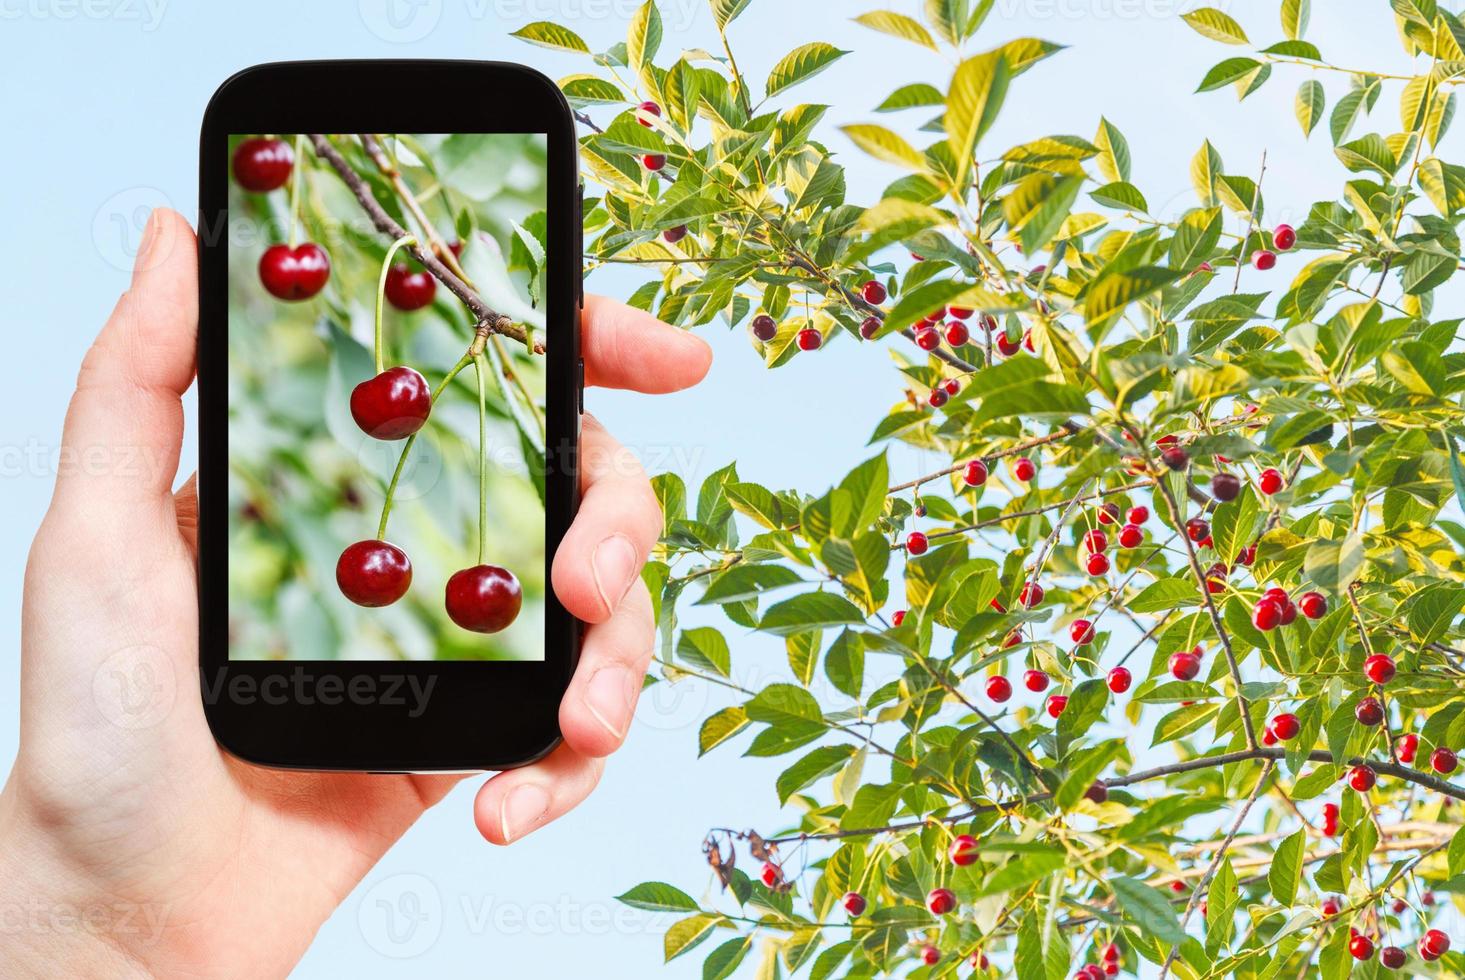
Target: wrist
x,y
49,929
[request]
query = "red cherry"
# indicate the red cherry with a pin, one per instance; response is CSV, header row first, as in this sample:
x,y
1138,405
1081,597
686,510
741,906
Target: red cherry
x,y
1270,481
294,273
899,617
1097,793
937,397
916,543
770,874
1035,680
392,405
1276,594
810,339
1379,667
963,850
928,338
930,955
1024,469
764,327
1398,906
989,322
1119,679
409,290
1081,631
1436,942
869,327
1314,605
997,605
1392,957
854,903
1331,906
1031,594
1096,541
1225,487
1178,887
957,333
1056,704
653,161
1427,899
1175,458
1216,579
1012,640
940,901
484,598
1027,339
952,386
873,291
1443,761
1269,737
1248,555
1007,346
1098,564
675,234
1131,536
1284,237
976,473
1362,778
979,960
959,312
999,688
1267,615
1263,259
373,573
1184,666
456,248
1330,819
1110,954
1090,972
1361,947
1369,712
1286,726
1289,613
1108,514
262,165
1197,529
1408,745
647,109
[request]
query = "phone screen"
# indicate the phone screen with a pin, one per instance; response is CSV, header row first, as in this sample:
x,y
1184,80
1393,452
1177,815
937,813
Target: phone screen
x,y
385,451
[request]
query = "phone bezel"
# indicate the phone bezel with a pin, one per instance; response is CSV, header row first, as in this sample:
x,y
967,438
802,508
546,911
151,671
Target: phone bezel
x,y
479,715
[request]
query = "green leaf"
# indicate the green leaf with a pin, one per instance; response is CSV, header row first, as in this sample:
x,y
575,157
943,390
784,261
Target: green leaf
x,y
883,144
688,933
550,35
1205,171
1083,770
1145,905
644,36
915,95
800,64
1368,153
744,581
724,11
898,25
820,762
723,961
1085,706
1432,610
1216,25
1037,206
1110,293
1455,857
1286,869
977,91
1113,159
844,663
704,647
1294,17
657,896
1309,104
719,727
1120,195
779,703
1226,72
812,610
1195,239
1334,565
680,92
1235,525
587,90
1221,899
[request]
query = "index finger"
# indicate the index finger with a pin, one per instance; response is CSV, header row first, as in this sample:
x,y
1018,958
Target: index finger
x,y
625,347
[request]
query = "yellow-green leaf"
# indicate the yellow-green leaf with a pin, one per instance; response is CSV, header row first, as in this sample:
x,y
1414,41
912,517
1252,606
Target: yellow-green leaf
x,y
977,90
1216,25
551,35
1309,104
800,64
883,144
898,25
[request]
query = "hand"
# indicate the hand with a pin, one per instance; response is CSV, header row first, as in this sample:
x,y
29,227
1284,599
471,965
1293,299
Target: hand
x,y
185,860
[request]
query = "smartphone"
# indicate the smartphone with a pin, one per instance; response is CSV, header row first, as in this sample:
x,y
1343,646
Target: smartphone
x,y
390,388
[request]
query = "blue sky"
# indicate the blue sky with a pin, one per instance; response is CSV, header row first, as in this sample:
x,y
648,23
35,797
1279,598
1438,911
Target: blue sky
x,y
107,126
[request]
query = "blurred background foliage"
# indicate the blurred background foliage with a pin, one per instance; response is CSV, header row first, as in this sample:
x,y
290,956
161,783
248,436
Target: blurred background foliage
x,y
305,482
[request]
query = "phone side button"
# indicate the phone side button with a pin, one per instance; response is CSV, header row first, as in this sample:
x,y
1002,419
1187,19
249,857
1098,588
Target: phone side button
x,y
580,388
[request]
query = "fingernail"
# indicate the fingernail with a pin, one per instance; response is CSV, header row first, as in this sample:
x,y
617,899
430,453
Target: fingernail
x,y
522,809
614,567
146,245
609,696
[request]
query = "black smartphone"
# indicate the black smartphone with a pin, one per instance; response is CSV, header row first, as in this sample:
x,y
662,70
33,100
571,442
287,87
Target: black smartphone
x,y
389,385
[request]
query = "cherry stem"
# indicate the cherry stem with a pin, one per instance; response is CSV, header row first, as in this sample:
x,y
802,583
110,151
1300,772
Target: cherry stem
x,y
479,368
381,290
381,528
295,190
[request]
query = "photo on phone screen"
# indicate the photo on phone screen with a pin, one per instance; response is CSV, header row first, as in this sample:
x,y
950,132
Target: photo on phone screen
x,y
385,482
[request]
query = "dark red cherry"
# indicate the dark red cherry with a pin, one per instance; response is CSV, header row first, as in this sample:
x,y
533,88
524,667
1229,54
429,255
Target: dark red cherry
x,y
409,290
262,165
653,161
873,291
484,598
764,327
869,327
647,109
373,573
1284,237
294,273
392,405
675,234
